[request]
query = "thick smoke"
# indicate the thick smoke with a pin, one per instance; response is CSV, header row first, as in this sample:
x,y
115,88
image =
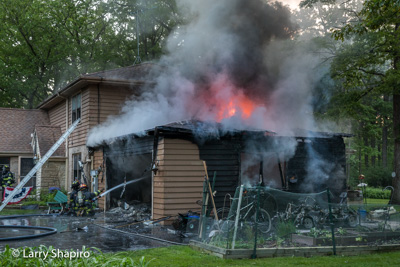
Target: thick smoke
x,y
232,49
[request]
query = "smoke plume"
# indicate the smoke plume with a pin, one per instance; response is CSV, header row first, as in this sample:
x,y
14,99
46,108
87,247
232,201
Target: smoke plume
x,y
233,64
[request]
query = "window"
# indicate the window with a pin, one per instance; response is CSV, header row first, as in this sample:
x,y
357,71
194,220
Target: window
x,y
26,166
77,171
76,107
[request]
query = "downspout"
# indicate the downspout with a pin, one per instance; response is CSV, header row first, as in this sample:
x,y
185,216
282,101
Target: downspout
x,y
66,143
153,164
98,102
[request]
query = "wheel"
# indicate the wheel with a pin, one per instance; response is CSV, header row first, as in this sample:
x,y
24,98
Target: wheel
x,y
263,222
192,226
308,222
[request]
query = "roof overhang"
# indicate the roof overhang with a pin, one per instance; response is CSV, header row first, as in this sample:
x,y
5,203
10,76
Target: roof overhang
x,y
82,82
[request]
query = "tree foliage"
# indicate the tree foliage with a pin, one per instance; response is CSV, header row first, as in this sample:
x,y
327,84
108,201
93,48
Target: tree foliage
x,y
369,66
46,44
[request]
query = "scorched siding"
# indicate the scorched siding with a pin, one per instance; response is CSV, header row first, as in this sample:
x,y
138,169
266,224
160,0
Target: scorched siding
x,y
178,183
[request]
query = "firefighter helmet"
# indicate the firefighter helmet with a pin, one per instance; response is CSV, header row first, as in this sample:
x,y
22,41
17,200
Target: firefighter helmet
x,y
75,184
83,187
6,167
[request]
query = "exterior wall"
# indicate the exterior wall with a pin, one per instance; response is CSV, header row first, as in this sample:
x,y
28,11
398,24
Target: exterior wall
x,y
84,158
105,101
14,166
178,183
57,116
52,174
78,136
97,160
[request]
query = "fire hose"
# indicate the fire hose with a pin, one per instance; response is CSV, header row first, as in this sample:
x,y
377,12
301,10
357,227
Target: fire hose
x,y
48,230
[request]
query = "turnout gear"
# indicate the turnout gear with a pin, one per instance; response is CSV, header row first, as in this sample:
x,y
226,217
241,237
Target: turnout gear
x,y
73,198
7,177
85,199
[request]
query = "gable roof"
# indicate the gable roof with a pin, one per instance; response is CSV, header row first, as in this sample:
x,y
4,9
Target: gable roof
x,y
127,76
16,126
47,136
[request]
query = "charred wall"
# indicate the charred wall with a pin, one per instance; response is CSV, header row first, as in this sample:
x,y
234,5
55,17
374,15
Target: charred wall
x,y
318,164
223,158
129,159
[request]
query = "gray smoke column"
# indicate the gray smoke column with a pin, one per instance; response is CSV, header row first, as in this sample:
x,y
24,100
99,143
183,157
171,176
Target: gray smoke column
x,y
230,64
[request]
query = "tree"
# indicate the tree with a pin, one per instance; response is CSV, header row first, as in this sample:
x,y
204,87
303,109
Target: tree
x,y
377,64
46,44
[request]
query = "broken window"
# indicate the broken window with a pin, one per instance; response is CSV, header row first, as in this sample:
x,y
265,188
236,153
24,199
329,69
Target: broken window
x,y
77,170
76,107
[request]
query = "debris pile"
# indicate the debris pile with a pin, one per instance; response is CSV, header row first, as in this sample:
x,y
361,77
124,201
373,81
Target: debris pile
x,y
134,212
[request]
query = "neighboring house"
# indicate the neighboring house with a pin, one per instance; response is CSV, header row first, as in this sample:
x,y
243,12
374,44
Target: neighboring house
x,y
92,98
16,130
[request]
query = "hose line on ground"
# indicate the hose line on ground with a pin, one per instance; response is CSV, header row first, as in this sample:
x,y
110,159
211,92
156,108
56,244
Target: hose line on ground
x,y
49,230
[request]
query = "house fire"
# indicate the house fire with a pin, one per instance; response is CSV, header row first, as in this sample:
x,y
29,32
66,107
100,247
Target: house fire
x,y
168,160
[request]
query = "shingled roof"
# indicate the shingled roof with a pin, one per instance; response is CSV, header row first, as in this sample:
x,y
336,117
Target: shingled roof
x,y
16,126
47,136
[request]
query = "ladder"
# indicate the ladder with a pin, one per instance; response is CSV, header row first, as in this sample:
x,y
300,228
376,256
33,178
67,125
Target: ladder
x,y
40,163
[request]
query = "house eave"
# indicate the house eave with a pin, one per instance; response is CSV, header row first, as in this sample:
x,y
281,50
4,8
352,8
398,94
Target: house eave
x,y
82,82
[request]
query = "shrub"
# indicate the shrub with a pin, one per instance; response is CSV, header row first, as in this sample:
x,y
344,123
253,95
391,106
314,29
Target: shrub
x,y
378,177
377,193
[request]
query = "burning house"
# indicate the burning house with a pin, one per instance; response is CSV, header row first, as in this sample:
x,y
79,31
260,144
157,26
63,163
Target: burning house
x,y
227,76
167,162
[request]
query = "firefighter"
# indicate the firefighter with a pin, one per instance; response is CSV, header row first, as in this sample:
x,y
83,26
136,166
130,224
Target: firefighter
x,y
85,200
7,178
73,198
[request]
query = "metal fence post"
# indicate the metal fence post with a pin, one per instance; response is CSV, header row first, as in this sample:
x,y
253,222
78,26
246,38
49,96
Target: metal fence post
x,y
331,222
254,255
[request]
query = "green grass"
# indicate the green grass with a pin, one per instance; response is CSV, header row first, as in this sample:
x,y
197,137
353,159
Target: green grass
x,y
377,201
185,256
19,212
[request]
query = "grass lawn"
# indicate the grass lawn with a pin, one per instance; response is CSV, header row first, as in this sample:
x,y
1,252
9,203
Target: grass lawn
x,y
185,256
377,201
5,212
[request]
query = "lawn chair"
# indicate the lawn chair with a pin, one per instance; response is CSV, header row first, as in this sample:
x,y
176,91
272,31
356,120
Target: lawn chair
x,y
60,201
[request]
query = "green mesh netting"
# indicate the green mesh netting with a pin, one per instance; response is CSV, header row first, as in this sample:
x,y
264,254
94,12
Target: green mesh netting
x,y
265,218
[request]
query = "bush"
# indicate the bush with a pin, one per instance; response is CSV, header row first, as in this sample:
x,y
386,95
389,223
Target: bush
x,y
377,193
378,177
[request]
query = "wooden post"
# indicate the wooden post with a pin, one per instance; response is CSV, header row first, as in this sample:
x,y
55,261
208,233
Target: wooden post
x,y
211,195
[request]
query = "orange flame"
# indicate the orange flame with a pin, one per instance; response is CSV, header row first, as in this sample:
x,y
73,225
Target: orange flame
x,y
237,104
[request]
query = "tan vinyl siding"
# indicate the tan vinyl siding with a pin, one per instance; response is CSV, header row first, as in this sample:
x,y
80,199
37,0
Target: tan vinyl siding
x,y
97,162
57,116
78,136
112,99
179,180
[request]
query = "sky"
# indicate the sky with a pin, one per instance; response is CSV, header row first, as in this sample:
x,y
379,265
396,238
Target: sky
x,y
292,3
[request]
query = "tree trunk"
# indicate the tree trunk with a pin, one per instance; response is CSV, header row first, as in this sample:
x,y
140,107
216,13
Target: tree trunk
x,y
385,138
366,157
396,127
373,146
